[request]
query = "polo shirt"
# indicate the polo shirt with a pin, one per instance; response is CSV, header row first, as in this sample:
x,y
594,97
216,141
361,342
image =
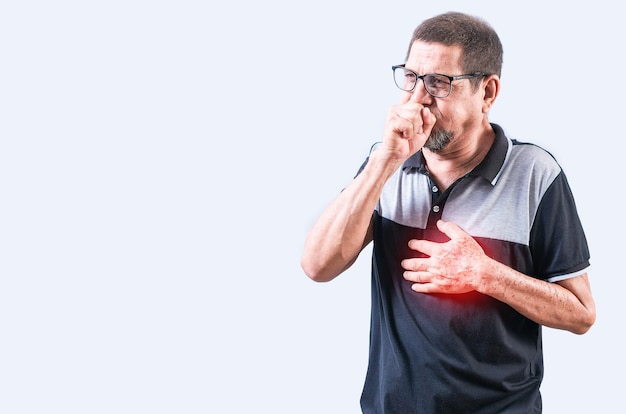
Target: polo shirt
x,y
467,353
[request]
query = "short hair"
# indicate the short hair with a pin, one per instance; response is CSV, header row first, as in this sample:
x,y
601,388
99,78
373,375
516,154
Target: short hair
x,y
481,46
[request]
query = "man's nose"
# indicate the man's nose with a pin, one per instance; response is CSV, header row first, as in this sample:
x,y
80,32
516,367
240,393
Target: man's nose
x,y
419,93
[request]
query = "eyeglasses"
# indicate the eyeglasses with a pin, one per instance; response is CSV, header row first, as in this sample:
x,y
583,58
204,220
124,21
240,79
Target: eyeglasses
x,y
436,84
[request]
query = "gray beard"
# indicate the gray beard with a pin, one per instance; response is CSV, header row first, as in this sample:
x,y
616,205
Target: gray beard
x,y
438,140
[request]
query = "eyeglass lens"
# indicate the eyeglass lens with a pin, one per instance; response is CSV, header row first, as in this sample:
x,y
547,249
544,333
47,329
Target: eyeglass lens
x,y
436,85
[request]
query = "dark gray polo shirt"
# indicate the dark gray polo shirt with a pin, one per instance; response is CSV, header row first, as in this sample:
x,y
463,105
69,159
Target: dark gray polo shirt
x,y
468,353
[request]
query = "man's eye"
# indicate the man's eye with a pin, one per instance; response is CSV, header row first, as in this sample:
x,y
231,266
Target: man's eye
x,y
437,82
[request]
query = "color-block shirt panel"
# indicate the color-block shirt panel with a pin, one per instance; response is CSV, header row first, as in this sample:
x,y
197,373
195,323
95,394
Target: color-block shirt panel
x,y
481,208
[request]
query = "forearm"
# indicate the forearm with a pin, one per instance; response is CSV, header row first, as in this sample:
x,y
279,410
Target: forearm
x,y
343,229
566,305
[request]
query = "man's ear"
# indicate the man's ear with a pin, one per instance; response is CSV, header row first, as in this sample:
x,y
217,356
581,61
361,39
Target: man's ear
x,y
491,89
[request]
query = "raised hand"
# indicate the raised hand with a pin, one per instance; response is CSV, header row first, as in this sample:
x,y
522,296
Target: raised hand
x,y
407,127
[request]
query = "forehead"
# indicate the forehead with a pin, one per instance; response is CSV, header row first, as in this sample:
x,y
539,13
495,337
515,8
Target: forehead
x,y
427,57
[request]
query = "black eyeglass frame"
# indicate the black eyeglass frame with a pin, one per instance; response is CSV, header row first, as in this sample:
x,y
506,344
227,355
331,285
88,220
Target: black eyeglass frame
x,y
418,77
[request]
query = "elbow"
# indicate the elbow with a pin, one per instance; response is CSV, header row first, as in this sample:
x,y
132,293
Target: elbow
x,y
322,266
586,322
314,271
320,269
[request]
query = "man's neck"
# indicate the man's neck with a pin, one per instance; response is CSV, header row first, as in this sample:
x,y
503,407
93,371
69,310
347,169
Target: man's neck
x,y
463,156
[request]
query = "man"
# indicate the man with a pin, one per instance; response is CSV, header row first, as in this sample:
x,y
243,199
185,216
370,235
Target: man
x,y
477,242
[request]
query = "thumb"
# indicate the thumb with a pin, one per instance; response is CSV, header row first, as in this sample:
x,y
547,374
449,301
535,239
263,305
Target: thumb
x,y
450,229
428,119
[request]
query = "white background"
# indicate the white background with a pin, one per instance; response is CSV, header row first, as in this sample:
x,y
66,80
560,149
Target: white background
x,y
162,161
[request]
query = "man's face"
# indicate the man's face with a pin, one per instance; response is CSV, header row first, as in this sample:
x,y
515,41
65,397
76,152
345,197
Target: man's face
x,y
456,113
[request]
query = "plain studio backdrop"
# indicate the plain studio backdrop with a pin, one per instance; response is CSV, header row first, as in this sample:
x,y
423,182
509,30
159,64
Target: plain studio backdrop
x,y
162,161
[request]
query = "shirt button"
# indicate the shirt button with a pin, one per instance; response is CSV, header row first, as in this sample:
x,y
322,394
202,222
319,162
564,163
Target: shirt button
x,y
434,189
436,209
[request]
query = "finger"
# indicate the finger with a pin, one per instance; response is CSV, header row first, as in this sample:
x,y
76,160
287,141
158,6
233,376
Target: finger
x,y
428,121
410,131
401,117
417,277
416,264
426,288
411,264
403,126
412,128
423,246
